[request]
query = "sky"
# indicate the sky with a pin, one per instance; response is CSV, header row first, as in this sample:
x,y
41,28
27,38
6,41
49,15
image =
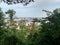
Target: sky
x,y
34,9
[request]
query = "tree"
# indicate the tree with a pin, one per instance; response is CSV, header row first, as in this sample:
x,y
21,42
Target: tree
x,y
50,32
2,27
18,1
1,21
1,18
11,14
12,39
33,23
33,38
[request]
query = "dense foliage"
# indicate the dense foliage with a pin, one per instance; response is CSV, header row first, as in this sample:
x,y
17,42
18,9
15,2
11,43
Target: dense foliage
x,y
48,33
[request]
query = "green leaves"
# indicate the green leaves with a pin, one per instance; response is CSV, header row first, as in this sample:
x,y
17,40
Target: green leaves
x,y
51,30
11,13
48,33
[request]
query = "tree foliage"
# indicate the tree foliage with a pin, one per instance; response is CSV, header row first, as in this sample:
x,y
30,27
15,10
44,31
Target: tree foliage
x,y
48,33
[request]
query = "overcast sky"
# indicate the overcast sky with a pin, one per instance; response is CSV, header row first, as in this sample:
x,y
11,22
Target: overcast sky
x,y
32,9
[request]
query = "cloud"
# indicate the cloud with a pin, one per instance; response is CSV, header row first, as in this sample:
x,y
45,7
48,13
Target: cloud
x,y
48,1
33,9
